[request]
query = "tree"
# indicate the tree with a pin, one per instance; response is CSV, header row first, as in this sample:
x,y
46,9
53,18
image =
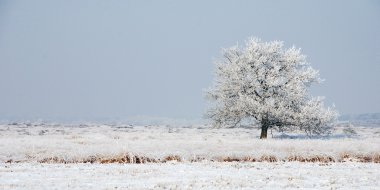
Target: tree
x,y
267,84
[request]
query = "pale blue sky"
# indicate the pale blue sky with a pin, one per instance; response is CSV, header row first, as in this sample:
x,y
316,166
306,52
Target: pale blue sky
x,y
107,59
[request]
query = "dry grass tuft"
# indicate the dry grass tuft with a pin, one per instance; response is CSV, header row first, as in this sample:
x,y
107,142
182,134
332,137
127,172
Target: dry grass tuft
x,y
172,158
231,159
197,159
127,158
320,159
12,161
249,159
268,158
376,158
135,159
51,160
346,157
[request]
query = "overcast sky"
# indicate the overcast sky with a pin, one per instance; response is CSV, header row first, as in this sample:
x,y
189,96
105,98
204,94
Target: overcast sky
x,y
107,59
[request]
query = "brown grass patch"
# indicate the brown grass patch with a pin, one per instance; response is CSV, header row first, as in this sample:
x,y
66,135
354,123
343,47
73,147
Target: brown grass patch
x,y
172,158
249,159
376,158
346,157
231,159
135,159
268,158
320,159
12,161
51,160
238,159
130,159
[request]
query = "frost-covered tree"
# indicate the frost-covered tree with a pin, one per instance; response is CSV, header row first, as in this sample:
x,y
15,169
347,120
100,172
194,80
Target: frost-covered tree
x,y
267,84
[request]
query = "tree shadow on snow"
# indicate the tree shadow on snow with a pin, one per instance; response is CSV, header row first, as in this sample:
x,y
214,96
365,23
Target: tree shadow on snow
x,y
323,137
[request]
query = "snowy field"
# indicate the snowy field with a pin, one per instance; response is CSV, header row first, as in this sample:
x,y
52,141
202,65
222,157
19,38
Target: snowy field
x,y
205,175
95,143
46,156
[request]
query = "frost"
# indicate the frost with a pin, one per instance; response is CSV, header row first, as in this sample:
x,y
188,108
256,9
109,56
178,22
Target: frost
x,y
197,157
268,84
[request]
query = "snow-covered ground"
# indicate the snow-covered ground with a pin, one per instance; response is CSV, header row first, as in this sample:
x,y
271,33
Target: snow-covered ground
x,y
75,143
204,175
200,154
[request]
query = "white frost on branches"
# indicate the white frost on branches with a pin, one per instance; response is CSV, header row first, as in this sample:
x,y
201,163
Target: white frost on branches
x,y
268,84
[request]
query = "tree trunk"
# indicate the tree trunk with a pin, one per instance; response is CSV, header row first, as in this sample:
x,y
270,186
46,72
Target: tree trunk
x,y
264,132
264,128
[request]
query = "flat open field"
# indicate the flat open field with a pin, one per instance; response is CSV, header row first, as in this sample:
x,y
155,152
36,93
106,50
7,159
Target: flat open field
x,y
42,156
205,175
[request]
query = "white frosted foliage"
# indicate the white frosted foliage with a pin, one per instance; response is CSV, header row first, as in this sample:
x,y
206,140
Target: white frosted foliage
x,y
265,83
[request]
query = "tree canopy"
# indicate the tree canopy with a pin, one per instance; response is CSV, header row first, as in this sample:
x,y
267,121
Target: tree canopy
x,y
265,83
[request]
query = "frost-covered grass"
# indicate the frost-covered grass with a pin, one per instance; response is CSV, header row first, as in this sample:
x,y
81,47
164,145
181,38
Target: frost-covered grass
x,y
46,143
202,175
32,157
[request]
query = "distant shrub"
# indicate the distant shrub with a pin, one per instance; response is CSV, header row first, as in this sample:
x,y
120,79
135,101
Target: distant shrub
x,y
349,130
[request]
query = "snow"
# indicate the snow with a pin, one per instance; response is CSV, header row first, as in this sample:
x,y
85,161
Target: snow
x,y
27,145
205,175
70,143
